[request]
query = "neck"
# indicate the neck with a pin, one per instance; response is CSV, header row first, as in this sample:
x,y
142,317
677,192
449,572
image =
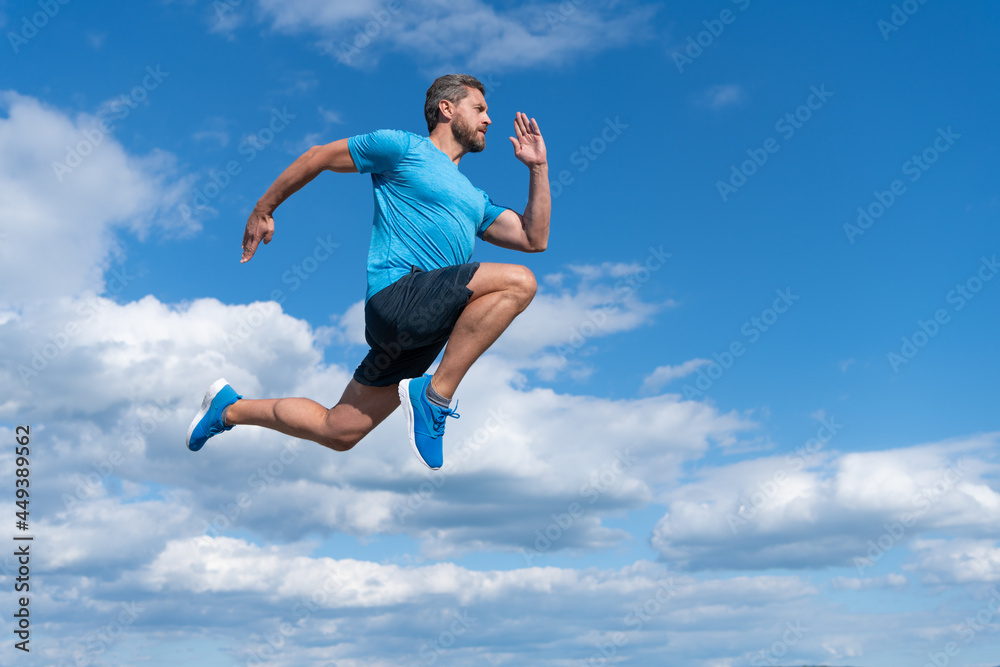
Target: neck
x,y
445,141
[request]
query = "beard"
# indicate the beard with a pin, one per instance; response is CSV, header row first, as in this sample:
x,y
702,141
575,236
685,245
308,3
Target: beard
x,y
467,136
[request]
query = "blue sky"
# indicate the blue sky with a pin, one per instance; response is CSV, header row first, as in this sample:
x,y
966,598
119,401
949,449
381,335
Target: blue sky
x,y
749,418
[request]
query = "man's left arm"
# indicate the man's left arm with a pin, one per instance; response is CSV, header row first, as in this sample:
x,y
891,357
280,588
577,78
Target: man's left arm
x,y
528,232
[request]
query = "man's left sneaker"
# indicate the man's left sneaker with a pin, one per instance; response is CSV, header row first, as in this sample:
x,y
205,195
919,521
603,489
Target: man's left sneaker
x,y
208,421
424,421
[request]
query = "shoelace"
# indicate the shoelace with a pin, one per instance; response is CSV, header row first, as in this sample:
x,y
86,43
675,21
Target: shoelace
x,y
439,418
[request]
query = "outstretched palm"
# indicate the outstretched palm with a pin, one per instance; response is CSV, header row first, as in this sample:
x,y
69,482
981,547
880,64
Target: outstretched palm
x,y
529,147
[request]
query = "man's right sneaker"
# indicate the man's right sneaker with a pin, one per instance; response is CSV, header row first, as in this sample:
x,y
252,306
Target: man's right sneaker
x,y
208,421
424,421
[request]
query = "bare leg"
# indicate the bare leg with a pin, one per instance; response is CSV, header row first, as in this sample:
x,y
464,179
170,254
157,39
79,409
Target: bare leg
x,y
360,410
500,292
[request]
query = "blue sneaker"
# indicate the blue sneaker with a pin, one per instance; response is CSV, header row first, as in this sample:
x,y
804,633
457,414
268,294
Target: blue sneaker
x,y
208,421
424,421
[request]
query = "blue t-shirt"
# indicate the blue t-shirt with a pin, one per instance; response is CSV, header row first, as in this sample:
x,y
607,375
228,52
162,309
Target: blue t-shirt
x,y
427,213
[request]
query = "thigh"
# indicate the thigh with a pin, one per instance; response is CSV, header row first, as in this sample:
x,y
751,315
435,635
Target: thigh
x,y
408,323
361,408
494,277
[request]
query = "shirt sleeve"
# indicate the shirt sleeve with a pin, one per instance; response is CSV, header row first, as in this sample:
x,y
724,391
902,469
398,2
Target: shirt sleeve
x,y
490,213
378,151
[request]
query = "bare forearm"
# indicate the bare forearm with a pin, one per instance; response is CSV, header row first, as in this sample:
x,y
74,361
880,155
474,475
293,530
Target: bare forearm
x,y
304,169
539,209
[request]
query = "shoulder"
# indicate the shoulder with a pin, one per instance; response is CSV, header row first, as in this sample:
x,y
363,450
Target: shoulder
x,y
381,150
386,137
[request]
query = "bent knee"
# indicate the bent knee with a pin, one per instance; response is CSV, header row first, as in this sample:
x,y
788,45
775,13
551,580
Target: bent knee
x,y
340,443
523,282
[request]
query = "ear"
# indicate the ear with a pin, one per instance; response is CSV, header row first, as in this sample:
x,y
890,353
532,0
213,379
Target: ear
x,y
446,109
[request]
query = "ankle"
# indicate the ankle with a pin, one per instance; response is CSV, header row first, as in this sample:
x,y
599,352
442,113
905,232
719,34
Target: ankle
x,y
436,397
227,417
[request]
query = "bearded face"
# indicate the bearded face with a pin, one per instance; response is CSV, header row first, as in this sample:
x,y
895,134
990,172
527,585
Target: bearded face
x,y
468,135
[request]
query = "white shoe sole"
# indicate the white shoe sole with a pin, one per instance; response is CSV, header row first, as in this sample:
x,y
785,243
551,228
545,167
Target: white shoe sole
x,y
404,402
206,403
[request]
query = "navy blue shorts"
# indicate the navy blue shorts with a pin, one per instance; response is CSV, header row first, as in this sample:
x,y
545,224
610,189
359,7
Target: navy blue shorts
x,y
408,323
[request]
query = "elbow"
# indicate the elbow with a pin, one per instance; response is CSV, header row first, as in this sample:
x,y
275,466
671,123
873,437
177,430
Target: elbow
x,y
537,247
312,159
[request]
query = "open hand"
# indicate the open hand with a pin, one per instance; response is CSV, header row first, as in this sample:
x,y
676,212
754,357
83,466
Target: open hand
x,y
529,147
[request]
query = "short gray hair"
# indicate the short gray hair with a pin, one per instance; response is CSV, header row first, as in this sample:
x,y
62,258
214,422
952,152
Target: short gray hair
x,y
451,87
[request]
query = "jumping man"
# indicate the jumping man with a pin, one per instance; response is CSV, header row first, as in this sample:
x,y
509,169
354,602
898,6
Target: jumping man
x,y
423,291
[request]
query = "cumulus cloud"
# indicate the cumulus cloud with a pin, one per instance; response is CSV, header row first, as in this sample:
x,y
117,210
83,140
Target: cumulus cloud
x,y
957,561
66,188
235,542
470,33
664,375
138,519
307,606
857,584
816,508
130,374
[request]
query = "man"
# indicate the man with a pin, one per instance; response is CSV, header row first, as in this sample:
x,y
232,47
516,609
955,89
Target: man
x,y
423,292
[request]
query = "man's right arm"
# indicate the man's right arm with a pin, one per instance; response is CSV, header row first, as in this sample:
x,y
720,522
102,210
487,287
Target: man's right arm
x,y
260,225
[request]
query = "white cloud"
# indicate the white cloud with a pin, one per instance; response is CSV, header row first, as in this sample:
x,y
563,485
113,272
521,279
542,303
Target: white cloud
x,y
469,33
129,514
561,327
721,96
131,375
59,225
958,561
330,117
664,375
214,136
818,509
892,580
152,506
